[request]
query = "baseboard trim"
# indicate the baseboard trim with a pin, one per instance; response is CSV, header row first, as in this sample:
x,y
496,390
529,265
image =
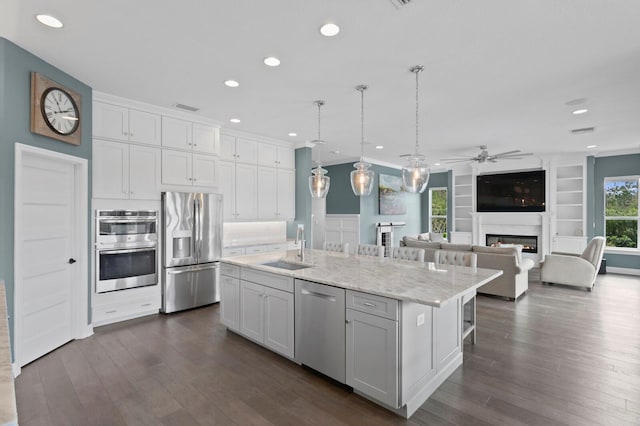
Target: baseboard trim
x,y
624,271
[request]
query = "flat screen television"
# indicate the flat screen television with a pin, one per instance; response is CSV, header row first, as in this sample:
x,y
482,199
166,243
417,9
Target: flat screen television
x,y
511,192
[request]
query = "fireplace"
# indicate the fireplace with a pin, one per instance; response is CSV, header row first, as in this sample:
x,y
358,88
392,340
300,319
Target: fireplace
x,y
529,243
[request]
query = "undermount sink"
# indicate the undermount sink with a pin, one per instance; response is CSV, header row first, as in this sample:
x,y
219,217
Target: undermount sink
x,y
286,265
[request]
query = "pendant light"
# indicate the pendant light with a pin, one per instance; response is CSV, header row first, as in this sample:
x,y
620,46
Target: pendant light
x,y
416,175
318,182
362,177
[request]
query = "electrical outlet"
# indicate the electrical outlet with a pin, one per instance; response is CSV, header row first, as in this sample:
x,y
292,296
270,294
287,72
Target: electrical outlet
x,y
420,320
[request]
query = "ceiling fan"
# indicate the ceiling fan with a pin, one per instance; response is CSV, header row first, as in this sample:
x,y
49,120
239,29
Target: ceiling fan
x,y
485,157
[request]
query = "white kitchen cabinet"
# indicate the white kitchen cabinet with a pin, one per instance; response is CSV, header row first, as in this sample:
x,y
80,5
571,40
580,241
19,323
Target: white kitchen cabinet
x,y
125,124
124,171
372,356
185,135
238,149
276,156
266,310
186,168
276,193
246,192
230,302
118,306
227,187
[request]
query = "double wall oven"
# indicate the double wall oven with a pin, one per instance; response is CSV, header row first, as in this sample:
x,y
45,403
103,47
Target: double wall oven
x,y
126,249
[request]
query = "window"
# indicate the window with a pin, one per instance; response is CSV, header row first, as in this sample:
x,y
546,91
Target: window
x,y
438,210
621,220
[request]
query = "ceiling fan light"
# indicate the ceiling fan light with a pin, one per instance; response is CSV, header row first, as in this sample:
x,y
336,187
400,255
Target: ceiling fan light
x,y
362,179
319,183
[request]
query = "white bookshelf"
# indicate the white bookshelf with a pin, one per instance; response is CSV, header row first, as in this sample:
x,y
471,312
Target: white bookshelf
x,y
569,208
463,203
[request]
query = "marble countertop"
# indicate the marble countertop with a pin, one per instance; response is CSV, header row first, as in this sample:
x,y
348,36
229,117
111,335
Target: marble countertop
x,y
425,283
8,411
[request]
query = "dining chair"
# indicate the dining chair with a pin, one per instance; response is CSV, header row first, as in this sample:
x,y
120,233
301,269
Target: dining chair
x,y
370,250
336,246
408,253
461,258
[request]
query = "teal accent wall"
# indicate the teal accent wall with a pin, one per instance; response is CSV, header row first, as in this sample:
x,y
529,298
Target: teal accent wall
x,y
16,65
436,180
619,165
340,199
303,196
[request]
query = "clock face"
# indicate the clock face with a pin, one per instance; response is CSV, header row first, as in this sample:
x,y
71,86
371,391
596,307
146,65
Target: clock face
x,y
59,111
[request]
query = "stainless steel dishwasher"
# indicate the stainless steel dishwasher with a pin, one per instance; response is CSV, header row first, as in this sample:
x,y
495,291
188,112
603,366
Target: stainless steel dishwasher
x,y
320,328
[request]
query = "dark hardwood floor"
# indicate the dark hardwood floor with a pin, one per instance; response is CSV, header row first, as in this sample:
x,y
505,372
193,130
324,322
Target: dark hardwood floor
x,y
559,355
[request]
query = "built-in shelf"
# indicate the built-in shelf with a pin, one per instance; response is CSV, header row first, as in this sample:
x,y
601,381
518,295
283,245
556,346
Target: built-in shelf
x,y
463,196
569,192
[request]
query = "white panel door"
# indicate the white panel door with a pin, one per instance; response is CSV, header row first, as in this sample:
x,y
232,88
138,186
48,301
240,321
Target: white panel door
x,y
252,310
144,172
227,187
267,155
204,170
110,121
144,127
246,151
176,133
286,158
267,193
45,280
278,321
246,191
205,138
110,169
176,167
286,194
227,147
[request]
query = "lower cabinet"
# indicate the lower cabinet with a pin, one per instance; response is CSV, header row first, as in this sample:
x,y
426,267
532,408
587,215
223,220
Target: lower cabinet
x,y
372,356
122,305
259,306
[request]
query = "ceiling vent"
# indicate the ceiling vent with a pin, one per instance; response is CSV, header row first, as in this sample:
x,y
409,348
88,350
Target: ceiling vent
x,y
400,3
583,130
186,107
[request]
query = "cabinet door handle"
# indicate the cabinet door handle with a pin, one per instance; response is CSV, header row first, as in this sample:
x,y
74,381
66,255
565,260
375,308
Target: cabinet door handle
x,y
195,144
347,322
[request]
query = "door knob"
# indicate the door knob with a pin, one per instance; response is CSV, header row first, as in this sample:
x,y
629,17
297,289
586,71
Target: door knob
x,y
72,260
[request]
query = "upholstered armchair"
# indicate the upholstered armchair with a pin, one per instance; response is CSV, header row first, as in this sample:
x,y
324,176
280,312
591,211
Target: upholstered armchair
x,y
578,270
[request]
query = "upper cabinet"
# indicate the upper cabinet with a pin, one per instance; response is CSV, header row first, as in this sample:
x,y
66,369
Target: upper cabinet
x,y
125,124
238,149
185,135
276,156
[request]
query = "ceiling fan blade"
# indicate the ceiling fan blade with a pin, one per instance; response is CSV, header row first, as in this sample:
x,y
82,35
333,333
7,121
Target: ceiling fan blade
x,y
461,160
520,154
501,154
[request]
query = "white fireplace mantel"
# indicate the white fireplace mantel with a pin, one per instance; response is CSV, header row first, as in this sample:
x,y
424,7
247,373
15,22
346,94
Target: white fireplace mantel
x,y
537,224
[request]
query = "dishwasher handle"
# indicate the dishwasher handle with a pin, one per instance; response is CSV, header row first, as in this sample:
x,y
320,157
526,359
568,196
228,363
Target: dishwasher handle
x,y
318,295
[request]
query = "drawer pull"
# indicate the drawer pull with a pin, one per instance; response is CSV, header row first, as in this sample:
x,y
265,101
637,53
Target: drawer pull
x,y
373,305
111,312
146,304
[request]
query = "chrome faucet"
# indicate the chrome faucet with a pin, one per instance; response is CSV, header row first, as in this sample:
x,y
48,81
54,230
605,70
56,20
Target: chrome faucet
x,y
300,239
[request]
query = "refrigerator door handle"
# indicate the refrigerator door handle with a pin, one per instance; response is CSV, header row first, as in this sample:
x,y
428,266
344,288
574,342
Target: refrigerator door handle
x,y
198,269
194,228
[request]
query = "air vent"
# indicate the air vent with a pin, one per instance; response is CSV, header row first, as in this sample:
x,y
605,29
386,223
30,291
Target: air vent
x,y
400,3
583,130
186,107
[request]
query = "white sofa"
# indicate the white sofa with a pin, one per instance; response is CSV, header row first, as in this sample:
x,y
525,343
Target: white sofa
x,y
514,280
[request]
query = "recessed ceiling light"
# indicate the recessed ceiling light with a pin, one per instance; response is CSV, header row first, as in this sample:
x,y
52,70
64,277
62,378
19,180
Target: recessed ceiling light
x,y
231,83
436,164
49,21
329,30
272,61
379,146
235,120
292,134
580,111
592,146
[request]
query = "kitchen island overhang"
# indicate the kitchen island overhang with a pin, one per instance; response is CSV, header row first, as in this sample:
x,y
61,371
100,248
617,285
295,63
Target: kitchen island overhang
x,y
396,356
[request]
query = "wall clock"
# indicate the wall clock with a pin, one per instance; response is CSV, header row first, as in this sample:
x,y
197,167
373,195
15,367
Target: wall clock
x,y
55,110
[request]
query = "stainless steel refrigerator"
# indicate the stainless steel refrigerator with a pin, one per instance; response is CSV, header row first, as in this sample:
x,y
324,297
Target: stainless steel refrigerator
x,y
191,249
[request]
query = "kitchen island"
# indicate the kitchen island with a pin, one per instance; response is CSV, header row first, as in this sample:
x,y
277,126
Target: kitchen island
x,y
394,332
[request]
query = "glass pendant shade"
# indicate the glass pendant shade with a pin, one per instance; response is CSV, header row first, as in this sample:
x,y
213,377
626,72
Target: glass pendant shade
x,y
362,179
416,176
319,183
